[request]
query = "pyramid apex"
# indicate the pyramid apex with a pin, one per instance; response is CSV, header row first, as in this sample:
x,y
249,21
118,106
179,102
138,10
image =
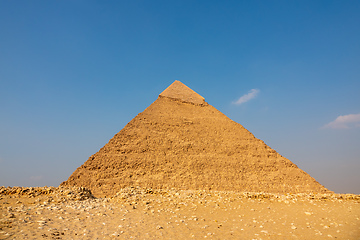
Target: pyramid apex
x,y
179,91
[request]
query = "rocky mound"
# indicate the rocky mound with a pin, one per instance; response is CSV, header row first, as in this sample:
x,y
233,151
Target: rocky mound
x,y
56,194
182,142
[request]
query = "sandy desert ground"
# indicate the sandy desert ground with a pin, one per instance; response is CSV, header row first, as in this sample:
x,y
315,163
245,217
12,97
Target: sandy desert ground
x,y
137,213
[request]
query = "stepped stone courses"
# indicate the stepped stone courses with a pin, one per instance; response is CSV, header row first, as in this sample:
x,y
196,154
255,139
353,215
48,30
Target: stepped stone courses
x,y
182,142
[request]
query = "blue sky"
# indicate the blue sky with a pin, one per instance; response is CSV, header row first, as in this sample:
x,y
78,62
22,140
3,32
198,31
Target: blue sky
x,y
73,73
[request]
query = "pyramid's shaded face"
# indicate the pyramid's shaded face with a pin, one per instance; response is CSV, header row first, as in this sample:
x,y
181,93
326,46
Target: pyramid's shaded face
x,y
180,141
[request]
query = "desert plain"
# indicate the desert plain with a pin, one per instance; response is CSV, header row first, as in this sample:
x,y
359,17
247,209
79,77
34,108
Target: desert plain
x,y
140,213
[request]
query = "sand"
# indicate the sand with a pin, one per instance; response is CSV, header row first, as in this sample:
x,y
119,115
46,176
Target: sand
x,y
138,213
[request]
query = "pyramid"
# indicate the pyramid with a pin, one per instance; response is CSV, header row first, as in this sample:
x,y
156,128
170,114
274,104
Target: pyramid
x,y
182,142
180,92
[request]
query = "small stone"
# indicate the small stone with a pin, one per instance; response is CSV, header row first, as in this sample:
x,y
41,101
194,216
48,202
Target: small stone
x,y
293,227
308,213
158,227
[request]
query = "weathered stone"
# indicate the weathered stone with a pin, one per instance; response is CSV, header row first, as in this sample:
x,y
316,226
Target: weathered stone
x,y
182,142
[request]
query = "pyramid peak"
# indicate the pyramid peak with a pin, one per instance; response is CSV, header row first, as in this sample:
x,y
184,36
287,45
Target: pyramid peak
x,y
179,91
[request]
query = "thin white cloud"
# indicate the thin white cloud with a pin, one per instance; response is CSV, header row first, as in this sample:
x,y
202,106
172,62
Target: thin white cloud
x,y
345,122
247,97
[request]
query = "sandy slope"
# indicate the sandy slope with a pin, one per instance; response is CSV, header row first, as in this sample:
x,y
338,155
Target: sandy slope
x,y
147,214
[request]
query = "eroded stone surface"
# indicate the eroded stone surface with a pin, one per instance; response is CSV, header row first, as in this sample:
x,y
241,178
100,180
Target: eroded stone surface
x,y
174,144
